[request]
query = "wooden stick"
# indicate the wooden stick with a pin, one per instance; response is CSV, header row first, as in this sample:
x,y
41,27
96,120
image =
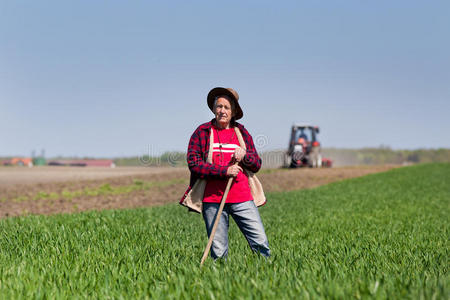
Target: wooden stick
x,y
216,222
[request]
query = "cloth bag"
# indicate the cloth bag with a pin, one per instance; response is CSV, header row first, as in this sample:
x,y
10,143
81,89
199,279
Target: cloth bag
x,y
193,198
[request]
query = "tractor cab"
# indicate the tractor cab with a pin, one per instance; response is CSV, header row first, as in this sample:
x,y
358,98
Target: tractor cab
x,y
304,148
304,135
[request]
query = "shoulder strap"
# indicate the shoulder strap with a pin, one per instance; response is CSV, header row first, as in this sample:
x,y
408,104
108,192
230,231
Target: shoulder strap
x,y
211,142
240,138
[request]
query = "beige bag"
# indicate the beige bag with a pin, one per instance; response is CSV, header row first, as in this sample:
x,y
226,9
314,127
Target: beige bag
x,y
194,198
255,185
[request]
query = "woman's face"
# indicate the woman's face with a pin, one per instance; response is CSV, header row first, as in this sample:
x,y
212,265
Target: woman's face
x,y
223,110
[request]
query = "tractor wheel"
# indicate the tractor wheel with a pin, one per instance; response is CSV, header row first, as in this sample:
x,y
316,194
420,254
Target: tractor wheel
x,y
287,161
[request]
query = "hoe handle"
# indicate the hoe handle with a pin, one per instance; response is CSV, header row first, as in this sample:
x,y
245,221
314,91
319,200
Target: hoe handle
x,y
216,222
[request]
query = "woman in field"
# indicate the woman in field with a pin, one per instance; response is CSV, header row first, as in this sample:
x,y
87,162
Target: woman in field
x,y
217,150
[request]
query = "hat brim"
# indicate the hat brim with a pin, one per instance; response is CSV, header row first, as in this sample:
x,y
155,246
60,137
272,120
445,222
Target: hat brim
x,y
219,91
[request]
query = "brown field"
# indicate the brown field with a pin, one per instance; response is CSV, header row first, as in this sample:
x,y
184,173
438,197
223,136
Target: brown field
x,y
50,190
48,174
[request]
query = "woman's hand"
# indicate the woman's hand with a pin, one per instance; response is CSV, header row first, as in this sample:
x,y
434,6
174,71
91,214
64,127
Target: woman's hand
x,y
239,154
233,170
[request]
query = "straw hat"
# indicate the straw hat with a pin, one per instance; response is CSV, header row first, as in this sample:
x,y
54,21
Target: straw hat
x,y
232,94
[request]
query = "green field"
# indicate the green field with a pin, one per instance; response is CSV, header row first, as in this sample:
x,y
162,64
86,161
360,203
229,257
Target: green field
x,y
380,236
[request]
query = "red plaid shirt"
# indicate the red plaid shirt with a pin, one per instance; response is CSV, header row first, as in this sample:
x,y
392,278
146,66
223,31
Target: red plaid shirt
x,y
198,152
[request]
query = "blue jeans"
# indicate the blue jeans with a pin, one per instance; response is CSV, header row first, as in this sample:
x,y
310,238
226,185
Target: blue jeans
x,y
247,218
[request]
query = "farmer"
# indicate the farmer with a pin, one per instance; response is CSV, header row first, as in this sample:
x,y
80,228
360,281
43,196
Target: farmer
x,y
228,158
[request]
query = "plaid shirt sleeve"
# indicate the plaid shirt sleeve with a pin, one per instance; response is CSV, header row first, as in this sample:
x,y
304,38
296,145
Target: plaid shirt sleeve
x,y
251,160
197,154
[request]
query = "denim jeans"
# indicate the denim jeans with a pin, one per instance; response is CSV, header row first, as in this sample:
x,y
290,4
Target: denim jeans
x,y
247,218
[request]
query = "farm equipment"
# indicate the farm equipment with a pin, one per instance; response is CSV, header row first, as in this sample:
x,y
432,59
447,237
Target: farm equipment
x,y
304,148
83,163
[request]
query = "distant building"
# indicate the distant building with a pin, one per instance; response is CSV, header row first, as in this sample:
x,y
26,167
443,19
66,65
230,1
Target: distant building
x,y
19,161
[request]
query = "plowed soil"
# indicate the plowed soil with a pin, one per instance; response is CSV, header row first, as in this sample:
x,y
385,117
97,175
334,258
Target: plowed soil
x,y
20,188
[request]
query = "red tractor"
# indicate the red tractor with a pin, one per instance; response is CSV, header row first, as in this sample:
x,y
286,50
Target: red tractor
x,y
304,148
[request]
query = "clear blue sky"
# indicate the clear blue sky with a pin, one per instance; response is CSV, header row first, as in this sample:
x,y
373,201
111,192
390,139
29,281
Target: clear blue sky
x,y
114,78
